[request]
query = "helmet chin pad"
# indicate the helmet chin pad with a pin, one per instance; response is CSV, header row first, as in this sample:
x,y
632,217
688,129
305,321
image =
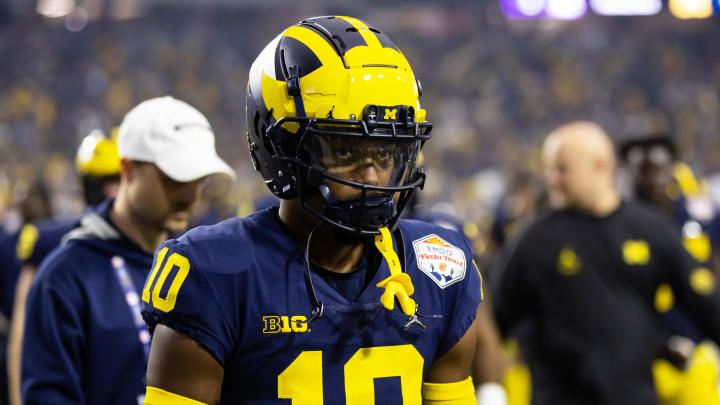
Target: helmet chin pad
x,y
361,213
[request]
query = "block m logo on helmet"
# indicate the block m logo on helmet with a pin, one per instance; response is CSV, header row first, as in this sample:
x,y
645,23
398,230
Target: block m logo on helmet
x,y
390,114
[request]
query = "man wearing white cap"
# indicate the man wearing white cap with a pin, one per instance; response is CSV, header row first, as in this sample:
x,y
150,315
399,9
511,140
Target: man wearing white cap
x,y
85,340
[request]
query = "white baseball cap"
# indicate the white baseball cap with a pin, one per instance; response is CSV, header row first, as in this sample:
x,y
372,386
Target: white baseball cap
x,y
174,136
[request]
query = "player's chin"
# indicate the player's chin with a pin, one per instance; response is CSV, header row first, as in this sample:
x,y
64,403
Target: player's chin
x,y
558,199
657,194
177,222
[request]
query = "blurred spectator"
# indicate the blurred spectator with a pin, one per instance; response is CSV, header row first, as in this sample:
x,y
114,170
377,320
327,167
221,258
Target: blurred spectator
x,y
34,205
658,178
83,309
98,166
578,285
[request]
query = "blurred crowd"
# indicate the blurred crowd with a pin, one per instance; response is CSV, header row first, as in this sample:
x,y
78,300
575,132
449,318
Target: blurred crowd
x,y
493,88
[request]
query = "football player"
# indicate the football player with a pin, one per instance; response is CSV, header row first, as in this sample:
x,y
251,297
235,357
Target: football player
x,y
98,165
329,298
85,341
657,177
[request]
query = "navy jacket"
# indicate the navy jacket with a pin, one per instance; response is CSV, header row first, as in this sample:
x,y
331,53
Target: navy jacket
x,y
81,342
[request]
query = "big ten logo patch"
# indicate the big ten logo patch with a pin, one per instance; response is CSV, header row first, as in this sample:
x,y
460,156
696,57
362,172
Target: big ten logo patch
x,y
285,324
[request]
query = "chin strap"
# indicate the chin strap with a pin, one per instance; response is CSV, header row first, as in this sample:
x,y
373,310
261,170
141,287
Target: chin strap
x,y
360,213
398,285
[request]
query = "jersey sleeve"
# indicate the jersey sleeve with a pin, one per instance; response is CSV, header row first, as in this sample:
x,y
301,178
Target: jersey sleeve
x,y
464,309
180,294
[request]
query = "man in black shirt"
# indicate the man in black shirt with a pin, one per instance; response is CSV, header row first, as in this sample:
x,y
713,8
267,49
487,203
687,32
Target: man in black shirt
x,y
577,286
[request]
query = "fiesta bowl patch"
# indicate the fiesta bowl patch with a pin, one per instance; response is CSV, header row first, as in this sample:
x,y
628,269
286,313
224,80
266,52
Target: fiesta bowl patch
x,y
444,263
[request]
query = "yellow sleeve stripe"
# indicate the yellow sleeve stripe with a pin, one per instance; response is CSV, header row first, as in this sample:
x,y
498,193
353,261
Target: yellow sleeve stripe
x,y
455,393
156,396
482,283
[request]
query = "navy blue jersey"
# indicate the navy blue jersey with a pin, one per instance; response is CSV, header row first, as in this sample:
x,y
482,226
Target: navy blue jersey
x,y
237,288
81,342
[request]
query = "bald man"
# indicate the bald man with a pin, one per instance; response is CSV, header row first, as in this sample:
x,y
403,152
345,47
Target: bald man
x,y
579,165
576,288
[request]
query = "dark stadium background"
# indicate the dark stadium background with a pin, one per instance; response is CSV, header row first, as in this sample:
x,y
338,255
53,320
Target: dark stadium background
x,y
493,85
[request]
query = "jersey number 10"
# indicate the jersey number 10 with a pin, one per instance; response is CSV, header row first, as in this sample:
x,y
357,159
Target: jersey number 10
x,y
302,380
175,260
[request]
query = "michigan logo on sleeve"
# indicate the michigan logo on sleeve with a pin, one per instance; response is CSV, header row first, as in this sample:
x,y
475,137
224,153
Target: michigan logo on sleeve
x,y
636,252
444,263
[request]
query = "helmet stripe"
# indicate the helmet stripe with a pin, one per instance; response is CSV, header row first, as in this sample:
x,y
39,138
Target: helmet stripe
x,y
340,33
322,49
370,38
297,53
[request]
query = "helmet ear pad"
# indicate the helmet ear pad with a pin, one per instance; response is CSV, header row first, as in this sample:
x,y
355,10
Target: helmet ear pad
x,y
267,147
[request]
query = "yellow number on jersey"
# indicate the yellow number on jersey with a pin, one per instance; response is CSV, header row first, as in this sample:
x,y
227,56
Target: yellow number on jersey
x,y
168,303
302,379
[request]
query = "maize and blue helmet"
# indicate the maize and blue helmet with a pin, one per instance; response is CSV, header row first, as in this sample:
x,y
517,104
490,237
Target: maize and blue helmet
x,y
328,98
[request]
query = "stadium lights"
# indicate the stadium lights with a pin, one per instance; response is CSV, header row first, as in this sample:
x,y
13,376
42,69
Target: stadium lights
x,y
555,9
691,8
55,8
566,9
76,20
531,8
624,7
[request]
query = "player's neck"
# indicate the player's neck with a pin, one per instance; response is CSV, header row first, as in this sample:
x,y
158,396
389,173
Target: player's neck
x,y
148,238
334,255
326,251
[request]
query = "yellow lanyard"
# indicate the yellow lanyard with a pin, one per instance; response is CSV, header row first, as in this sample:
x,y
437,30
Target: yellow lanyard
x,y
398,285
